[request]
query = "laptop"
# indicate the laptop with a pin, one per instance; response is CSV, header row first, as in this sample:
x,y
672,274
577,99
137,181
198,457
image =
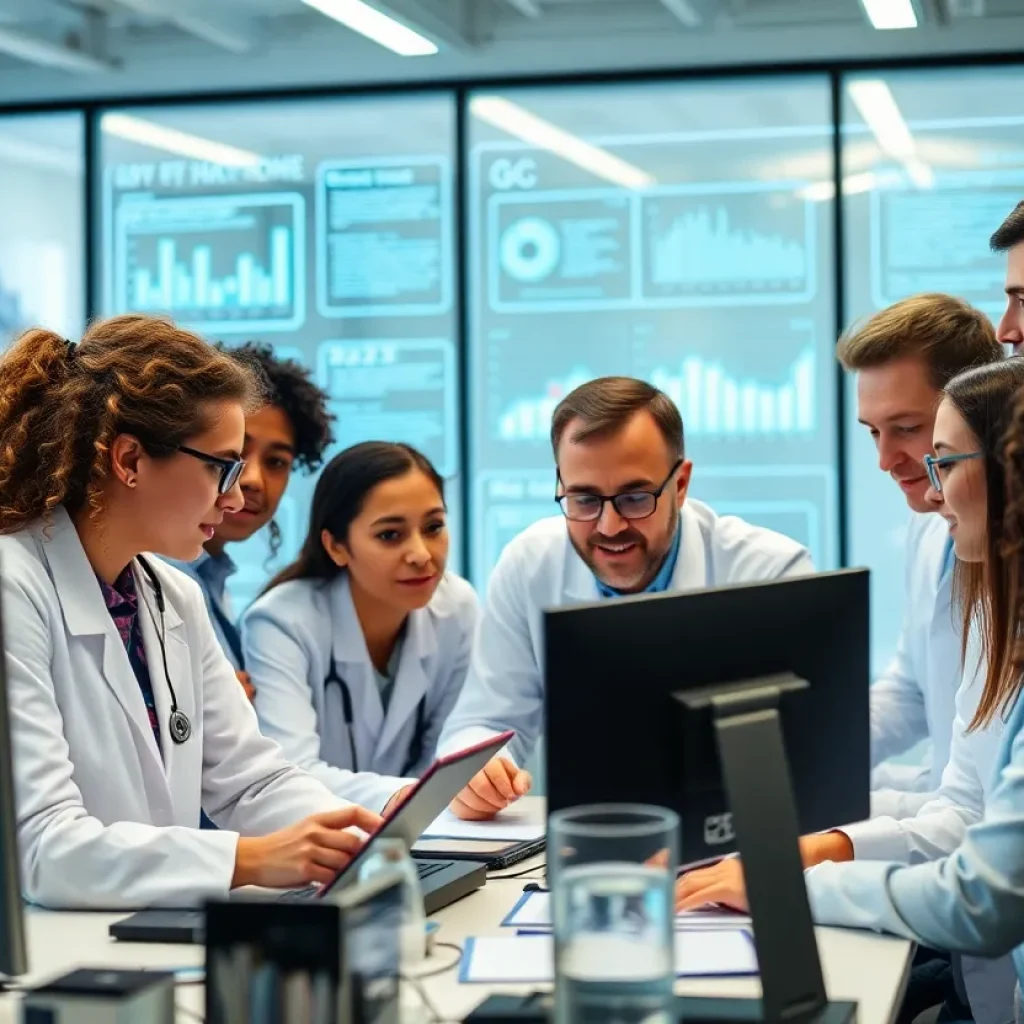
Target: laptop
x,y
442,881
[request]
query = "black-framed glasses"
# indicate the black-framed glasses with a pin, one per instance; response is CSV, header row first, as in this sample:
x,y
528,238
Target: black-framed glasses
x,y
933,463
230,469
585,508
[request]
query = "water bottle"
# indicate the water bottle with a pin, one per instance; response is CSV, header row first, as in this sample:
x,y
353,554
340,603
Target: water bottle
x,y
392,855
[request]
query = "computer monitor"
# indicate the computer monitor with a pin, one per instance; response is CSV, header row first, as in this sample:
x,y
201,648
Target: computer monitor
x,y
13,958
617,730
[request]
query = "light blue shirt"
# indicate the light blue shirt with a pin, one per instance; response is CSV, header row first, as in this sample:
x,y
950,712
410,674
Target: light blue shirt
x,y
969,902
212,573
914,699
662,581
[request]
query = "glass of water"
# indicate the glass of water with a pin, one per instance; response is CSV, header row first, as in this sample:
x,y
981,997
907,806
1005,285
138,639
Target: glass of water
x,y
612,869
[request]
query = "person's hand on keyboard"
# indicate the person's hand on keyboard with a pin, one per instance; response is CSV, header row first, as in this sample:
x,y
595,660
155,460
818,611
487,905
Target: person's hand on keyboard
x,y
492,790
313,850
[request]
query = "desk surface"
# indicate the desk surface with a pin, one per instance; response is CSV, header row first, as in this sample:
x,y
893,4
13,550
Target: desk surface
x,y
859,966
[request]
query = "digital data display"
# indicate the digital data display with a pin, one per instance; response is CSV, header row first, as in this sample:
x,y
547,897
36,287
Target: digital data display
x,y
923,226
711,280
328,232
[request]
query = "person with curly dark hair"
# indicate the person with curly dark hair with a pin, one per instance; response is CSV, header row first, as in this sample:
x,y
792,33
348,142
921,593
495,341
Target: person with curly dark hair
x,y
125,715
293,430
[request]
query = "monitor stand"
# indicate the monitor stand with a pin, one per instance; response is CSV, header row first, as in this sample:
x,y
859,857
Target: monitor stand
x,y
764,819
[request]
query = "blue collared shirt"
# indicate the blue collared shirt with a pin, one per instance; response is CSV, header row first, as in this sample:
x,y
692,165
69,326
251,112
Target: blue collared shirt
x,y
661,582
212,573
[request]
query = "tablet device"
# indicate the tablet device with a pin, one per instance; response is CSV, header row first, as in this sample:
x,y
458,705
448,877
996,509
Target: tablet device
x,y
441,883
440,784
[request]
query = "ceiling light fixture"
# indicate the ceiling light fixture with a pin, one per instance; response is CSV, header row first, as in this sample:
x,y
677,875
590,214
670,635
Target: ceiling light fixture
x,y
517,121
376,25
148,133
887,14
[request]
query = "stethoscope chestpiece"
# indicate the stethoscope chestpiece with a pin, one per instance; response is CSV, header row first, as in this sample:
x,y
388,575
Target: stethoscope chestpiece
x,y
180,726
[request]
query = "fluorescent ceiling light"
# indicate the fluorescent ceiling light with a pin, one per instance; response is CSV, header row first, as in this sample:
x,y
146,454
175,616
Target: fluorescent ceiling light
x,y
821,191
148,133
515,120
890,13
877,105
375,25
920,173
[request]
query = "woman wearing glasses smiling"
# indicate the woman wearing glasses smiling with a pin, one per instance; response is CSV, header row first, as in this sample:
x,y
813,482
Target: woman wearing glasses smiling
x,y
126,715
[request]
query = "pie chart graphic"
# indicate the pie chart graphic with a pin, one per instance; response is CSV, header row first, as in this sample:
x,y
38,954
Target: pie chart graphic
x,y
530,249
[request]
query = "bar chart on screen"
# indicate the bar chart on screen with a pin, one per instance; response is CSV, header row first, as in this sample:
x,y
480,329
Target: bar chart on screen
x,y
225,263
529,418
715,402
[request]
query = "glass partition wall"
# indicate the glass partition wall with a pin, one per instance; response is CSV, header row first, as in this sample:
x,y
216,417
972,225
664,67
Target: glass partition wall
x,y
449,263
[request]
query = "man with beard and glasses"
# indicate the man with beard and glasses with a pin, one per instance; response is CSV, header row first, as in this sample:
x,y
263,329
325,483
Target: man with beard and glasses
x,y
626,527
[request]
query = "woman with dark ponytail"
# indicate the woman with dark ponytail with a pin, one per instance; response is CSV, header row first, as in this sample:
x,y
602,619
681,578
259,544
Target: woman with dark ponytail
x,y
358,650
126,717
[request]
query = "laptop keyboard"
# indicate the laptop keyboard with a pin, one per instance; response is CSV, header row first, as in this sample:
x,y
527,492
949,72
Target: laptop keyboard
x,y
424,868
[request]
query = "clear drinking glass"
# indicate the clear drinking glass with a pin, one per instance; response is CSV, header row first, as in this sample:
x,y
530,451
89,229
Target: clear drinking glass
x,y
612,871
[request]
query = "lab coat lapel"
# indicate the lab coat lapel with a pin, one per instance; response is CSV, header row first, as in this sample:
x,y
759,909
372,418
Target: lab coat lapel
x,y
353,662
410,685
181,784
92,635
691,571
578,582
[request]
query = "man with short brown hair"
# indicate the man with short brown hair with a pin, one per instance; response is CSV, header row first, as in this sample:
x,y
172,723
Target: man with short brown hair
x,y
626,527
902,357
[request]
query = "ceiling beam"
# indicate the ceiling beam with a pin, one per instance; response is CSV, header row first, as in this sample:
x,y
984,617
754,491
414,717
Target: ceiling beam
x,y
196,18
443,23
49,54
527,8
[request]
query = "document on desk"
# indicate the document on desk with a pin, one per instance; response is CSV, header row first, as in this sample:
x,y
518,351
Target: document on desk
x,y
533,910
511,825
530,959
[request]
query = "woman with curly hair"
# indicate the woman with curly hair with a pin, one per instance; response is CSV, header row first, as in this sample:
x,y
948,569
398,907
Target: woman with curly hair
x,y
126,716
291,430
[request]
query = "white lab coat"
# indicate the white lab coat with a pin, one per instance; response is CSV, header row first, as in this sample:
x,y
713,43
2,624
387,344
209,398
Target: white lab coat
x,y
103,820
915,698
288,636
540,569
940,826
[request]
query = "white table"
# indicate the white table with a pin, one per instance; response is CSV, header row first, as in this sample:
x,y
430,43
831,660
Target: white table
x,y
868,969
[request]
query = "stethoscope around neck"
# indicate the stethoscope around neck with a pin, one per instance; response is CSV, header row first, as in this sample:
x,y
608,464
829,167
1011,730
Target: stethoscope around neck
x,y
334,677
178,724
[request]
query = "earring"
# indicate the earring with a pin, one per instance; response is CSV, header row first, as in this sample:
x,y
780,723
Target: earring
x,y
131,482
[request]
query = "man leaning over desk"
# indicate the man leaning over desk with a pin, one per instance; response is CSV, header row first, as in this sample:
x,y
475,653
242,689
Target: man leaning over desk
x,y
626,527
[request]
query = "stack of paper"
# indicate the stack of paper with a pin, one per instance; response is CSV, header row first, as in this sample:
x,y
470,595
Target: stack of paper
x,y
533,912
530,959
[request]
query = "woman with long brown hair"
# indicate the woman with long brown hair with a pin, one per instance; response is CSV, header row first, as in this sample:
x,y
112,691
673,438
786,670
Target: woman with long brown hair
x,y
126,715
969,896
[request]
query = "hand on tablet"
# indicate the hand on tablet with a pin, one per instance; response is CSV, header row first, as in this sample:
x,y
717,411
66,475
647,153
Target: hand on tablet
x,y
492,790
313,850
